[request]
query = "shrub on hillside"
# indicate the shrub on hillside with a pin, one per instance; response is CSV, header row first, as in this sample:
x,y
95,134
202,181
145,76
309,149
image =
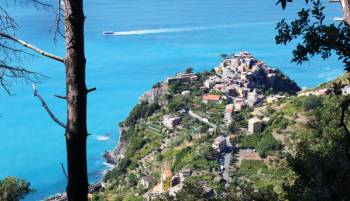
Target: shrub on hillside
x,y
132,179
249,141
178,103
312,102
266,144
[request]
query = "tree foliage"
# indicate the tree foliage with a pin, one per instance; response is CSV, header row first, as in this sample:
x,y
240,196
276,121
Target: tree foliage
x,y
317,37
13,189
322,159
141,110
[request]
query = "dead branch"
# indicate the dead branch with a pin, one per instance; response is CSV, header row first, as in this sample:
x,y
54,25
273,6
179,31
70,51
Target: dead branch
x,y
8,73
36,94
91,90
61,97
64,171
58,21
46,107
32,47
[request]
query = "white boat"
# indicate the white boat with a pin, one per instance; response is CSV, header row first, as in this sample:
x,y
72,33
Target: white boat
x,y
102,138
108,33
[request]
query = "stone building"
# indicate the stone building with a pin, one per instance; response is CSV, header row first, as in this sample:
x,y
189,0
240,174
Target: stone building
x,y
220,143
170,122
254,125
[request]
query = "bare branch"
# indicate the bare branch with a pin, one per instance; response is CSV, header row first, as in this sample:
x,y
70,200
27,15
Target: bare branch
x,y
64,171
91,90
32,47
61,97
9,73
58,21
46,107
36,94
41,3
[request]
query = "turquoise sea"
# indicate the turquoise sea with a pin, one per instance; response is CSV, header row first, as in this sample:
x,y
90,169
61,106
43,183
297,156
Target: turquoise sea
x,y
160,38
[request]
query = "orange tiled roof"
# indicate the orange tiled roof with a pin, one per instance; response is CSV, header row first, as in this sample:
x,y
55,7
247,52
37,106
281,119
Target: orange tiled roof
x,y
211,97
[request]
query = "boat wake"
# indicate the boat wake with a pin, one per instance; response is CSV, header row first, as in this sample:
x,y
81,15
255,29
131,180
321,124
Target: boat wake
x,y
145,31
174,30
165,30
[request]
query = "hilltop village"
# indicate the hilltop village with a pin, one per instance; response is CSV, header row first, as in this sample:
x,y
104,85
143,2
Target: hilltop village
x,y
227,130
187,126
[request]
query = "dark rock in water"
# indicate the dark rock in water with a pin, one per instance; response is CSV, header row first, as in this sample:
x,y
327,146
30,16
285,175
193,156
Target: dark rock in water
x,y
109,156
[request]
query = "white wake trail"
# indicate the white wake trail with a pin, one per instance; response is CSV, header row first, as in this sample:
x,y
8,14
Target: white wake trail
x,y
173,30
142,32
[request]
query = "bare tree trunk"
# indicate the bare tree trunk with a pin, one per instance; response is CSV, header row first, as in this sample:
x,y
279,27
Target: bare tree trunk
x,y
76,130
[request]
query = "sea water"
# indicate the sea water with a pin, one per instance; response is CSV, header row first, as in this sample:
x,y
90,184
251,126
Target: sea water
x,y
154,39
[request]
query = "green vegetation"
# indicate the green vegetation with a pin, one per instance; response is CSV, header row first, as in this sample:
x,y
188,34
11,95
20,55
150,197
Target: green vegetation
x,y
141,110
312,103
318,155
264,143
13,189
279,121
201,158
261,176
116,173
177,103
193,190
249,141
267,144
253,167
190,146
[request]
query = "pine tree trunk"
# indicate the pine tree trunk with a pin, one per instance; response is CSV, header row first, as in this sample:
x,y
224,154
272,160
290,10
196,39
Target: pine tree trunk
x,y
76,130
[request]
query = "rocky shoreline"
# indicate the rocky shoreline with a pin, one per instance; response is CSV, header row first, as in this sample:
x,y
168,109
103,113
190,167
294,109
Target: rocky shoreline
x,y
112,157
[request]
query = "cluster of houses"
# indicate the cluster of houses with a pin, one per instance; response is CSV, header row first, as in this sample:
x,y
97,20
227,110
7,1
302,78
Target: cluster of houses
x,y
317,92
324,91
237,78
240,74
